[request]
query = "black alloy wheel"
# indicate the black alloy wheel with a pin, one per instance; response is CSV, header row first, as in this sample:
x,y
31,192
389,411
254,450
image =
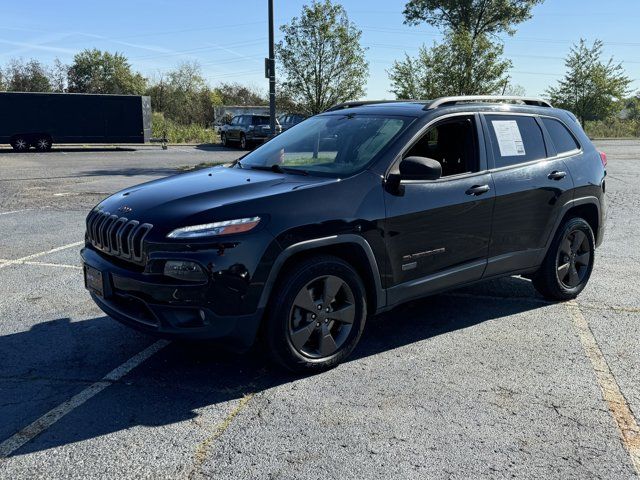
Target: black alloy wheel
x,y
321,317
567,266
43,144
316,314
20,144
574,258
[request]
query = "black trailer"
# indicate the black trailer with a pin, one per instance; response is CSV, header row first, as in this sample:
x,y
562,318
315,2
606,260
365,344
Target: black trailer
x,y
41,119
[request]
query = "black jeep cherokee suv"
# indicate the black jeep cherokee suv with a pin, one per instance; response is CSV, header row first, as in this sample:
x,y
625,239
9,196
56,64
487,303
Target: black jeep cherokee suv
x,y
348,214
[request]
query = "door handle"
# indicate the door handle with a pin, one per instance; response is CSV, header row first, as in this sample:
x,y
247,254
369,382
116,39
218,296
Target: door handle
x,y
478,190
556,175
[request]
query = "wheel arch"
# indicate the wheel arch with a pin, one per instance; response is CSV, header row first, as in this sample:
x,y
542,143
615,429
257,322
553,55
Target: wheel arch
x,y
589,211
353,249
584,207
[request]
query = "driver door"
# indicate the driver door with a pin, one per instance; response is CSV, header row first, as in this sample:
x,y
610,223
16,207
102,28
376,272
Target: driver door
x,y
437,231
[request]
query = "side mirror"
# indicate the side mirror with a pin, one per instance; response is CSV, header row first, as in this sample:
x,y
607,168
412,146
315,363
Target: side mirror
x,y
420,168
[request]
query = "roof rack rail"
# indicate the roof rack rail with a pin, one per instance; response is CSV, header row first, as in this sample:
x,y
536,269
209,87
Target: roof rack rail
x,y
447,101
360,103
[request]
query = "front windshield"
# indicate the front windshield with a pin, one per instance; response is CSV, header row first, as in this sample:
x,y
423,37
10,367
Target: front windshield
x,y
337,145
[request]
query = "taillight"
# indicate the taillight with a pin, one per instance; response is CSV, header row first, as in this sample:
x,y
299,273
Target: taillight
x,y
603,157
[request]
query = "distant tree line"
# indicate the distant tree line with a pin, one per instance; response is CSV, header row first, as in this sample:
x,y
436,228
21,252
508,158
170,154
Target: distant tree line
x,y
181,95
321,62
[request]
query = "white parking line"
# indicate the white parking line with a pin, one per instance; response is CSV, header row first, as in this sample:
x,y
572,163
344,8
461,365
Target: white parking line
x,y
23,210
30,432
23,260
43,264
46,264
611,393
15,211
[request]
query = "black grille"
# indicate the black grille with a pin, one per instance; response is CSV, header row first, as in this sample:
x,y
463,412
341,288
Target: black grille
x,y
117,236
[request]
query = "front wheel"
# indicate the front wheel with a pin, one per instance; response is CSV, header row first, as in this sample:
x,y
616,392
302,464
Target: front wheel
x,y
317,315
567,266
20,144
243,142
223,139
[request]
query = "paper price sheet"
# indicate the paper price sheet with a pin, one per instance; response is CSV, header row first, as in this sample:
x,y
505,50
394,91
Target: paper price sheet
x,y
509,138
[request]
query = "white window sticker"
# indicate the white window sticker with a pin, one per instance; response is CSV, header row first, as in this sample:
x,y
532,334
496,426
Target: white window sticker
x,y
509,138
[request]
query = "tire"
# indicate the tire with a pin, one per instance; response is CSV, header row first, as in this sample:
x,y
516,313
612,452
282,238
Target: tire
x,y
243,141
20,143
223,139
43,143
316,315
567,267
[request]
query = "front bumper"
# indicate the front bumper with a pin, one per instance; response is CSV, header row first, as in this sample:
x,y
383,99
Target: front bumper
x,y
151,304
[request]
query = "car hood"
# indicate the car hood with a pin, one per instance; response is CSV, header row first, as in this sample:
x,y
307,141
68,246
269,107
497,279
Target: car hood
x,y
190,197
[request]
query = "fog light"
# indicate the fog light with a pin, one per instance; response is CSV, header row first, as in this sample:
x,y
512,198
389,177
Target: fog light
x,y
188,271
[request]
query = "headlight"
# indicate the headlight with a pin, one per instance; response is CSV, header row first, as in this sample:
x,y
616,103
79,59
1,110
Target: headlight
x,y
227,227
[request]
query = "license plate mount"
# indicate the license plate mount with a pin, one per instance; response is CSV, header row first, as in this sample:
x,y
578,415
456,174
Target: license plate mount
x,y
94,280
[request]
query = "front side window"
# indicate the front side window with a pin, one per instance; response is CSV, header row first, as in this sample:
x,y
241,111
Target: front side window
x,y
515,139
332,145
562,139
452,143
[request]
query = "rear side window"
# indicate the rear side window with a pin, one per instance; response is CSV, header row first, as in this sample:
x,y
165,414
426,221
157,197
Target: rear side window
x,y
515,139
261,120
562,138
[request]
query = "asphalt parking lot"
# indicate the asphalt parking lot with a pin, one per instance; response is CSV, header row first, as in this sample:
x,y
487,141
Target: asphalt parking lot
x,y
488,381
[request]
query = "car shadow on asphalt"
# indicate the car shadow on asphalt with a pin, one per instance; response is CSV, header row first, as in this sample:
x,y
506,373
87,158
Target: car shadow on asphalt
x,y
130,172
215,147
184,378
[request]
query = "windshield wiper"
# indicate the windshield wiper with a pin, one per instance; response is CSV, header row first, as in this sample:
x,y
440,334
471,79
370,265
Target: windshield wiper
x,y
280,169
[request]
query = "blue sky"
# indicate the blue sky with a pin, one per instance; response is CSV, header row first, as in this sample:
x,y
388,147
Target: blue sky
x,y
229,39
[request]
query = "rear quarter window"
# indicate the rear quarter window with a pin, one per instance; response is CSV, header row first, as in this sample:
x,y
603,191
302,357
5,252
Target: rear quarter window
x,y
515,139
562,138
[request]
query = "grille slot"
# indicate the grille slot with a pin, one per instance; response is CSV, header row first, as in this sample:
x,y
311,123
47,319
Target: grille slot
x,y
118,236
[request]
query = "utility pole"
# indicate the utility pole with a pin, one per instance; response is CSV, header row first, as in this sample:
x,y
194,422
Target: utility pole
x,y
270,72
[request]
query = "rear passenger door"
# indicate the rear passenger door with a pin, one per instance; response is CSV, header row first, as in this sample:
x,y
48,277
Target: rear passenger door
x,y
532,183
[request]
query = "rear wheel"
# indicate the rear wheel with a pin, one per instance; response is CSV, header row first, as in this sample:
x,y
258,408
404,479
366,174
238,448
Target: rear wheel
x,y
317,315
43,143
20,143
567,266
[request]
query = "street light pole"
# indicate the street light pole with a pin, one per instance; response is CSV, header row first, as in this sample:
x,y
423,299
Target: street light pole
x,y
272,73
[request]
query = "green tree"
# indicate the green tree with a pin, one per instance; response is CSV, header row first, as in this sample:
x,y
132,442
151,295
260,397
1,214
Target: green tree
x,y
184,96
95,71
443,69
27,76
592,88
58,73
632,106
476,17
238,94
469,61
321,58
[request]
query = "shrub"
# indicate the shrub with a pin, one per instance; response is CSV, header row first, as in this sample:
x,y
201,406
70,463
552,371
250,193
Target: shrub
x,y
177,133
612,128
